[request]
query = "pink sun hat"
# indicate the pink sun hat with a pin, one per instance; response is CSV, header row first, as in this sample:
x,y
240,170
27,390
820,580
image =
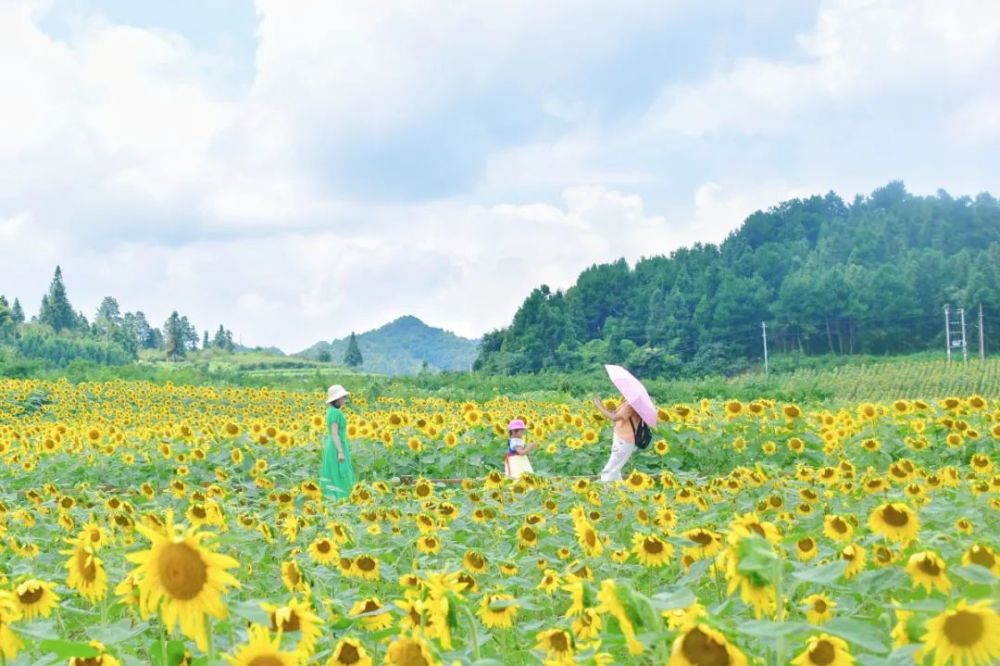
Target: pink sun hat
x,y
516,424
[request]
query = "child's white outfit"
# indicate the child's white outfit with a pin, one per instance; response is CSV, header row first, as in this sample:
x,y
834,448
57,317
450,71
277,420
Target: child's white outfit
x,y
516,463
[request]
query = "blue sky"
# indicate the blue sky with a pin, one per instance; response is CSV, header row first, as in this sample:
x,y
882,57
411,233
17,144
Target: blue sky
x,y
298,170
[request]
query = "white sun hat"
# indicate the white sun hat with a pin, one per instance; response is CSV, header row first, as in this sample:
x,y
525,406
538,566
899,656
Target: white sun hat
x,y
335,392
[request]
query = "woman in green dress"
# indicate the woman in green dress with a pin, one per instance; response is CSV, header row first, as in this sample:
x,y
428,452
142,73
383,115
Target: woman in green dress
x,y
336,478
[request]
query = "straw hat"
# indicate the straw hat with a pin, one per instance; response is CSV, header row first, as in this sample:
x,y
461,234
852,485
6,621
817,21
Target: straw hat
x,y
335,392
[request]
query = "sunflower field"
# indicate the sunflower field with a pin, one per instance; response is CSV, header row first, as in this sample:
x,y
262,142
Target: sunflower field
x,y
166,525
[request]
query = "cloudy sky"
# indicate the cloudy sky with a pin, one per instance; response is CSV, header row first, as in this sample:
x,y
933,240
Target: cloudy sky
x,y
298,170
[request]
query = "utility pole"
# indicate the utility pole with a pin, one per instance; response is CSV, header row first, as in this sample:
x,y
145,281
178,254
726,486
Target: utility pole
x,y
965,348
982,335
947,334
763,330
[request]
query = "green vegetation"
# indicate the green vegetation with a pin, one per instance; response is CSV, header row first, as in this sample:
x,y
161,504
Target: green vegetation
x,y
870,277
404,346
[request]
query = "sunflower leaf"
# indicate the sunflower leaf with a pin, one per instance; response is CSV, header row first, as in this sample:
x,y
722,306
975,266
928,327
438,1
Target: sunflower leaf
x,y
975,573
823,574
857,633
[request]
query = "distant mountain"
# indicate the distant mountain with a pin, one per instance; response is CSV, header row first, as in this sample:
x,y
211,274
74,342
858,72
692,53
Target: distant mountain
x,y
401,347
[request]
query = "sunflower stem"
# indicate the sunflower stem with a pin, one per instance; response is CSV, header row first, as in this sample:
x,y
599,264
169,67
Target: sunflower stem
x,y
472,630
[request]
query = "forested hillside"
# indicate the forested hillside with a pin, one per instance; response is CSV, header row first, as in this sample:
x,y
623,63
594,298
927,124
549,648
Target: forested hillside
x,y
871,276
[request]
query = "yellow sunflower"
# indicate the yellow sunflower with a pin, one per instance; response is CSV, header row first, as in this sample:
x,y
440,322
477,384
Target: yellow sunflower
x,y
497,610
185,576
474,561
984,556
86,572
854,555
35,598
837,528
557,644
373,615
262,649
367,567
927,569
824,650
10,644
296,617
895,521
819,608
968,635
349,652
651,550
409,651
700,645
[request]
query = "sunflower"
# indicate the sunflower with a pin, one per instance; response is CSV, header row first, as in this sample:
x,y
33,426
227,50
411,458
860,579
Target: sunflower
x,y
682,618
969,634
557,644
187,577
296,617
819,608
409,651
35,598
928,570
349,652
806,549
262,649
651,550
429,544
527,537
550,581
700,645
86,572
10,644
894,521
366,567
373,615
854,555
824,650
497,610
984,556
611,603
587,625
291,575
474,561
837,528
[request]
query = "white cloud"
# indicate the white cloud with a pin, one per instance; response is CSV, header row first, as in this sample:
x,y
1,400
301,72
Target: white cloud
x,y
856,47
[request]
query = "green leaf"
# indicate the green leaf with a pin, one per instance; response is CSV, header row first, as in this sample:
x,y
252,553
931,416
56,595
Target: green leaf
x,y
175,653
681,598
975,573
116,633
768,629
67,649
856,632
40,630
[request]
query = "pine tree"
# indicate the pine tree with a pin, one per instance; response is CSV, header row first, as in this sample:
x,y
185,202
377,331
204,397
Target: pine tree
x,y
205,344
56,310
18,312
352,357
175,337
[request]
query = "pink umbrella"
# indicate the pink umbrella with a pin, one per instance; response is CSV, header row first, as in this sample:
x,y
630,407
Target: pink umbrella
x,y
634,393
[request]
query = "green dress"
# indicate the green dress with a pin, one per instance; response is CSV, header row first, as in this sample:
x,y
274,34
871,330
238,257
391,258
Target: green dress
x,y
336,478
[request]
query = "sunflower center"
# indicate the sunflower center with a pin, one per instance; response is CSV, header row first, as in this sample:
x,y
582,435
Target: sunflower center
x,y
182,571
85,565
476,561
290,623
266,660
701,538
982,557
929,567
32,596
590,538
365,563
653,546
559,642
409,654
963,628
702,650
895,517
370,606
819,606
88,661
348,654
823,654
323,547
806,544
758,529
838,525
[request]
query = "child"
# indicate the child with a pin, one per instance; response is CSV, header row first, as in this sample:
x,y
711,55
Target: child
x,y
516,461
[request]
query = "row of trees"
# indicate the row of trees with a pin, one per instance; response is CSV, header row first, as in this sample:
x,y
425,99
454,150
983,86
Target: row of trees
x,y
60,334
352,355
827,277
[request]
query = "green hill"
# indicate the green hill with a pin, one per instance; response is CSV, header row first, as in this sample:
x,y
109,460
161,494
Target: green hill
x,y
401,347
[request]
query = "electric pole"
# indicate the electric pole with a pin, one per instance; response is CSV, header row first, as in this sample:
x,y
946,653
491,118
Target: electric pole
x,y
947,334
965,348
763,330
982,335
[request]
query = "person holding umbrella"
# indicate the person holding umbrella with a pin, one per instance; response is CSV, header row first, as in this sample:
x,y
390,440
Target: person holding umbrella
x,y
635,411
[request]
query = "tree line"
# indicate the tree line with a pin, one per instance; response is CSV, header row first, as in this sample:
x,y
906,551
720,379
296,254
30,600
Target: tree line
x,y
59,334
828,277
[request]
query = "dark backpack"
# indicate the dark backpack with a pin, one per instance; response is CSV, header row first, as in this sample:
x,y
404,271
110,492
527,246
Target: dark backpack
x,y
643,435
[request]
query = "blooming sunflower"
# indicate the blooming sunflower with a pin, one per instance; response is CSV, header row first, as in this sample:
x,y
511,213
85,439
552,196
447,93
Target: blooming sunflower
x,y
10,644
895,521
557,644
819,608
984,556
474,561
101,659
409,651
806,549
323,551
296,617
700,645
927,569
260,649
373,615
349,652
186,577
837,528
854,555
35,598
824,650
651,550
968,635
366,567
497,610
86,572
